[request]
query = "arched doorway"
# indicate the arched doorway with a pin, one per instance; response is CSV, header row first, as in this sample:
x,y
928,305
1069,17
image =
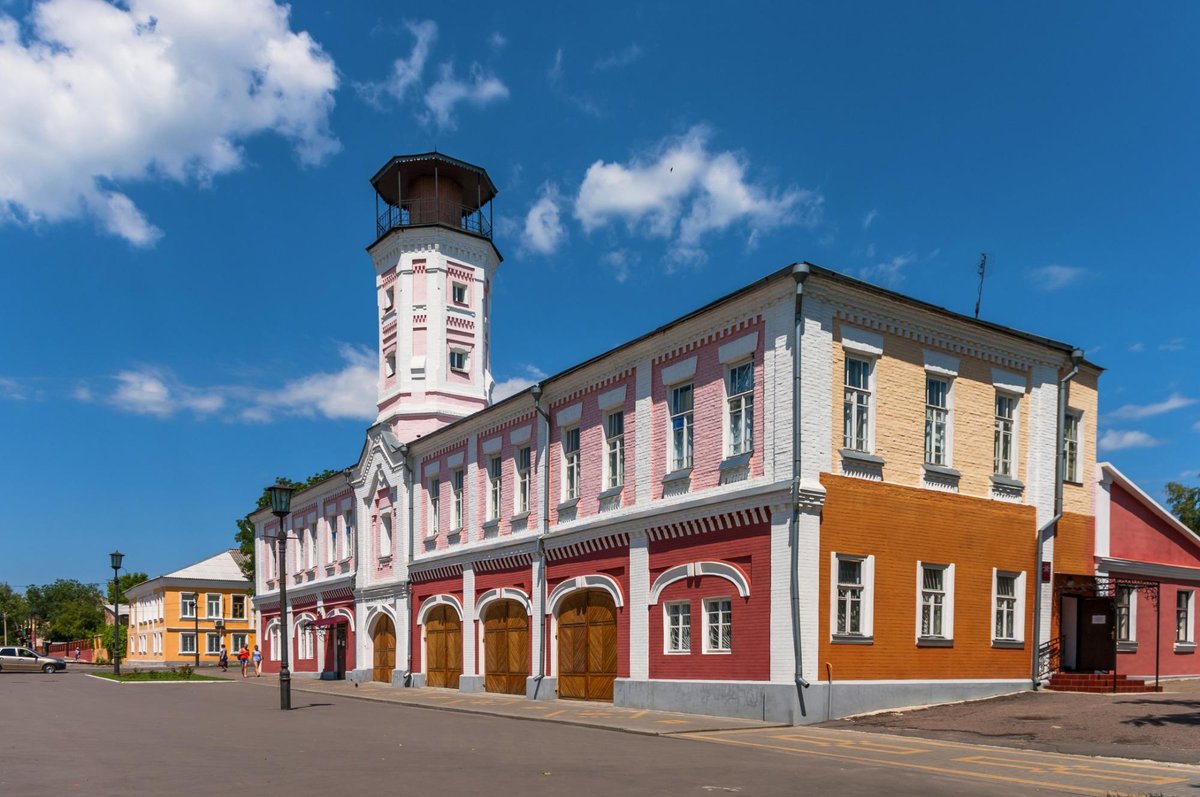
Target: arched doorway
x,y
587,645
384,640
505,647
443,647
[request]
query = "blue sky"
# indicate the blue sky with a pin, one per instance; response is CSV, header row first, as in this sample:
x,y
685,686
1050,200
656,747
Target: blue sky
x,y
188,310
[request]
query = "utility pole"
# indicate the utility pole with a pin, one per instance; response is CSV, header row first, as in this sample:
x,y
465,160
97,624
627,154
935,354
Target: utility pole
x,y
982,270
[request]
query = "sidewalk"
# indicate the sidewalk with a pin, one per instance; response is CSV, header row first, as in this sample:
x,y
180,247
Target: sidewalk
x,y
567,712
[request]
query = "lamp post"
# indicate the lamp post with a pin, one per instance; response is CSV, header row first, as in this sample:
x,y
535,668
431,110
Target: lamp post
x,y
116,557
281,506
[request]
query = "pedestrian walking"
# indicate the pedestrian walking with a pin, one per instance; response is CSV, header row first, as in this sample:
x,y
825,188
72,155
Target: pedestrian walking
x,y
257,656
223,659
244,658
76,654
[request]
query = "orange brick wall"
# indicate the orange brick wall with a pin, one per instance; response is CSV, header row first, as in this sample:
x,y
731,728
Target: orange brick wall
x,y
1074,545
901,526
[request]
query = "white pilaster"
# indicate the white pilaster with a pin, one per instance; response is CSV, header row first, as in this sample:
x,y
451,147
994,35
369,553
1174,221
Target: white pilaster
x,y
537,620
639,606
642,429
783,654
468,620
1103,497
403,610
816,390
1040,472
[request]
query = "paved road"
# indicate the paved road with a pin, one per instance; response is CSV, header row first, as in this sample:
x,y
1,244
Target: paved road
x,y
71,733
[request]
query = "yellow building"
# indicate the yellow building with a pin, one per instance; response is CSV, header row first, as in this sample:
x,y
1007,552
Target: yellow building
x,y
186,616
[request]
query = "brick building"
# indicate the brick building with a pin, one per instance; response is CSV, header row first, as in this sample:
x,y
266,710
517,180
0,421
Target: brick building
x,y
810,496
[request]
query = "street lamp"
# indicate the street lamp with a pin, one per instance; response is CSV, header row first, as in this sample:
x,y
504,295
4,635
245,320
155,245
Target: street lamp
x,y
281,506
116,557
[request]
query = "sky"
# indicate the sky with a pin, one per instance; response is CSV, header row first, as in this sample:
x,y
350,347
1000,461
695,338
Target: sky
x,y
188,310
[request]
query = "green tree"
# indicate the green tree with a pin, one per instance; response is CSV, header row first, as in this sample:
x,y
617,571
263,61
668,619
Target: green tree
x,y
14,609
125,581
244,537
1185,504
67,609
106,638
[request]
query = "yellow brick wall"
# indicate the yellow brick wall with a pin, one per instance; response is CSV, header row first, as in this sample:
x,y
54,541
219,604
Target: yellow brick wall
x,y
901,526
1084,397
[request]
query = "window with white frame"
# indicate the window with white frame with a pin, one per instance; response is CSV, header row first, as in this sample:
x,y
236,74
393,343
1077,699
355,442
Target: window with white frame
x,y
856,413
935,601
1005,607
385,532
237,641
678,626
522,496
739,392
458,293
389,364
1006,418
458,360
614,444
331,548
718,625
389,298
347,533
570,452
187,605
1126,606
495,469
937,420
851,597
237,607
1071,447
435,496
456,500
212,644
187,643
212,605
681,426
275,643
273,567
1184,609
306,645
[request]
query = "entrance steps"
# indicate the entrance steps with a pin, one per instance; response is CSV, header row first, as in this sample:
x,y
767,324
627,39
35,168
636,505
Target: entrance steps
x,y
1099,683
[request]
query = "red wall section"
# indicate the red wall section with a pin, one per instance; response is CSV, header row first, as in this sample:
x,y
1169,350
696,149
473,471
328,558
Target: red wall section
x,y
1141,661
421,591
1137,533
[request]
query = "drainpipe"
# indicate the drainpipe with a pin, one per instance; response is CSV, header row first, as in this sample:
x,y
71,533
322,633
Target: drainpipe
x,y
800,273
544,479
408,485
1050,529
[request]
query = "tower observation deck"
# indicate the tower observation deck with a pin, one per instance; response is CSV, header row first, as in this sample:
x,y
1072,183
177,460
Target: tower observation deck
x,y
433,189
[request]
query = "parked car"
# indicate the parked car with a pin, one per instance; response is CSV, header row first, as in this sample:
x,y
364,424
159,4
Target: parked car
x,y
25,660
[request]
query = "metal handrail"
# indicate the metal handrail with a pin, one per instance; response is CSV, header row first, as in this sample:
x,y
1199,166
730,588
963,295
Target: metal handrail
x,y
433,211
1049,658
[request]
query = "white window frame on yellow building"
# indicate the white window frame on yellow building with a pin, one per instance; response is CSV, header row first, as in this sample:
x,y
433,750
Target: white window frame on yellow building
x,y
946,638
866,632
1018,637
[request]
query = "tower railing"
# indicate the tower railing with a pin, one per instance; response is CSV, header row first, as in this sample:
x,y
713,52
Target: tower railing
x,y
433,211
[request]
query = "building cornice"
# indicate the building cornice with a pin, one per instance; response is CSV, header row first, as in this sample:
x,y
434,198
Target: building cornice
x,y
1151,569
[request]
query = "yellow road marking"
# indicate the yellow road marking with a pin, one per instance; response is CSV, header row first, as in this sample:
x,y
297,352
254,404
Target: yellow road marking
x,y
1083,770
864,744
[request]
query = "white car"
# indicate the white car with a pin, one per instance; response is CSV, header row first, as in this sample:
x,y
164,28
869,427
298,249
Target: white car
x,y
25,660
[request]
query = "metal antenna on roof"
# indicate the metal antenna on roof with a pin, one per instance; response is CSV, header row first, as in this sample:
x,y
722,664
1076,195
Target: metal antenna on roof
x,y
982,271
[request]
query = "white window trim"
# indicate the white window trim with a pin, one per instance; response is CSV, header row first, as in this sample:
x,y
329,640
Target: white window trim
x,y
220,606
458,510
386,530
872,409
209,648
466,360
868,599
1016,432
185,635
331,534
524,478
667,628
704,604
433,508
234,599
606,468
931,373
274,638
454,286
1077,477
947,607
671,464
389,364
565,464
1189,644
1019,610
727,442
1133,606
495,483
195,605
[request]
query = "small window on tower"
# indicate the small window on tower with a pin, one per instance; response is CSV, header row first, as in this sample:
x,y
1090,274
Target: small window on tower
x,y
389,364
458,360
389,298
458,292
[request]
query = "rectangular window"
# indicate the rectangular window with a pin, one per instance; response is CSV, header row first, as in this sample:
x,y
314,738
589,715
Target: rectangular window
x,y
718,620
389,364
1125,597
679,627
522,480
385,532
389,298
1071,447
435,490
456,497
614,440
856,416
331,549
212,644
850,597
681,427
739,388
238,607
933,601
570,448
1006,408
458,293
187,605
494,472
237,642
347,533
937,413
274,643
458,360
1006,607
187,643
306,642
212,605
1183,616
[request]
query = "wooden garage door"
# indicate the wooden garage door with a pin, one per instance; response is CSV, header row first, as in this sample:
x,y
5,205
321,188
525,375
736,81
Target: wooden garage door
x,y
505,648
443,647
587,646
384,641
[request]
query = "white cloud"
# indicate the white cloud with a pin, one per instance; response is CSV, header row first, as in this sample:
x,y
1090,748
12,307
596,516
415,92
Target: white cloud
x,y
13,390
888,273
619,59
515,384
1174,344
98,96
1173,402
544,231
498,41
683,191
348,393
151,391
621,262
1114,440
1137,348
869,219
479,89
406,72
1053,277
556,76
555,73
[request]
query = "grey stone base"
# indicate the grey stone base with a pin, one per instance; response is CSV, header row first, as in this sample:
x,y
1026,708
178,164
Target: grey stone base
x,y
784,702
417,681
470,683
548,690
360,676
